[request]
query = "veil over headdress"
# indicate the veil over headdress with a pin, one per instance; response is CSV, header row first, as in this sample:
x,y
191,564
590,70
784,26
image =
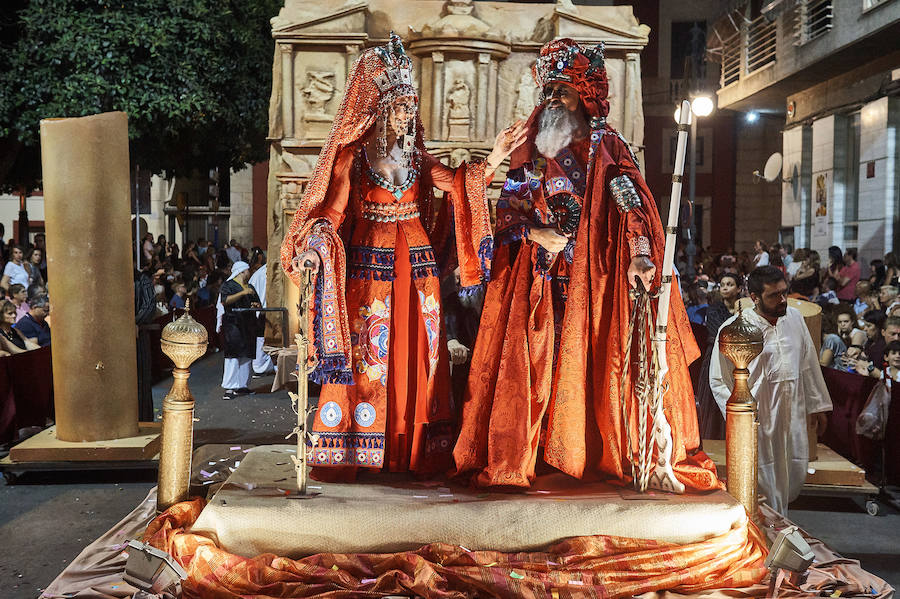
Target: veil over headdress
x,y
379,76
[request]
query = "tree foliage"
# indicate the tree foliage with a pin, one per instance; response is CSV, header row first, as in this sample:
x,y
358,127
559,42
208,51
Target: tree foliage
x,y
194,77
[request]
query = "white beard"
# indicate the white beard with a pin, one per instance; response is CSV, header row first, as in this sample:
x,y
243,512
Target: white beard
x,y
557,128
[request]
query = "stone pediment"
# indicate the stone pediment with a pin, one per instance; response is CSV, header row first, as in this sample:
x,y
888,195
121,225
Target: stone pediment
x,y
579,23
458,21
347,21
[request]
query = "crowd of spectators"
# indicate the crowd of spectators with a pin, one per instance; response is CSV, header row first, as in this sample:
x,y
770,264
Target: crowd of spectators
x,y
25,305
195,272
860,311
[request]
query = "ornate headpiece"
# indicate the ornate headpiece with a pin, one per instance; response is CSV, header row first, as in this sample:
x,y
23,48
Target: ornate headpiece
x,y
377,77
582,68
396,79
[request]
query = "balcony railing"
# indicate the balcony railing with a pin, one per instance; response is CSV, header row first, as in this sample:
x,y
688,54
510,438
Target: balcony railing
x,y
761,37
731,59
812,19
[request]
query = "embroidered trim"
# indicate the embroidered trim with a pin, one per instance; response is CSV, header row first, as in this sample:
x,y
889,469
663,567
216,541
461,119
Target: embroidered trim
x,y
438,438
371,263
639,246
556,185
347,449
626,196
569,163
423,261
331,364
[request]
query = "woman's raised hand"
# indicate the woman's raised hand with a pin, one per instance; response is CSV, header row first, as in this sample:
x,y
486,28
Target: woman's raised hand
x,y
507,140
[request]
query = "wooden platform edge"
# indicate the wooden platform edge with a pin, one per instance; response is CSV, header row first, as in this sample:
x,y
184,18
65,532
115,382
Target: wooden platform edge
x,y
45,447
829,470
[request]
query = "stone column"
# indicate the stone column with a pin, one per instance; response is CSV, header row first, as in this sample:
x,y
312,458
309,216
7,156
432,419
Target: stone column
x,y
484,60
90,263
632,90
287,90
493,102
437,95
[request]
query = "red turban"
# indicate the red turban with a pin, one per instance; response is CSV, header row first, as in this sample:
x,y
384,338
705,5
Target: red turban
x,y
566,61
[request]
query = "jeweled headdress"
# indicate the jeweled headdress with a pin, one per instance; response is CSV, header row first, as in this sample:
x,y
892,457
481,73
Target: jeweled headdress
x,y
583,68
396,79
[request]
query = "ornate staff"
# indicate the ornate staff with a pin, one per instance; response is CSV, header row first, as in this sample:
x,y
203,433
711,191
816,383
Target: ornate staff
x,y
662,476
300,400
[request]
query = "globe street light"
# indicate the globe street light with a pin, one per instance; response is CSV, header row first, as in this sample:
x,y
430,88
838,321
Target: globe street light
x,y
701,106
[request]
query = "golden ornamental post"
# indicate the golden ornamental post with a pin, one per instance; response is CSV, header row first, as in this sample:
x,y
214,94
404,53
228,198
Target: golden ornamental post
x,y
184,341
741,342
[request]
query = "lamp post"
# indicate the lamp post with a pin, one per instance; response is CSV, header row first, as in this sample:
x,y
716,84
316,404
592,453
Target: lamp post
x,y
701,106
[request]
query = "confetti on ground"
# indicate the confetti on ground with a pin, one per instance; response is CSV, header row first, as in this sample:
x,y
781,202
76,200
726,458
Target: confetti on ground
x,y
367,580
235,448
464,549
490,565
247,450
446,495
335,568
578,582
208,474
516,575
420,496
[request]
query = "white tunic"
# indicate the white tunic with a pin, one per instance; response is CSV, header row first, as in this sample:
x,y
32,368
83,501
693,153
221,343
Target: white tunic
x,y
787,382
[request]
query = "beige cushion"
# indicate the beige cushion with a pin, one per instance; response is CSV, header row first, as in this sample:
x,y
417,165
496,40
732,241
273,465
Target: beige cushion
x,y
251,514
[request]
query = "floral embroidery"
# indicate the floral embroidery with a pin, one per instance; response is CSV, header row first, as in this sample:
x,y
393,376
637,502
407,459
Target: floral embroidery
x,y
373,334
431,312
330,414
364,414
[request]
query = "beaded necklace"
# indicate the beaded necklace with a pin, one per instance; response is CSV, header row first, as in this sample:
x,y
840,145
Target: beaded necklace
x,y
381,181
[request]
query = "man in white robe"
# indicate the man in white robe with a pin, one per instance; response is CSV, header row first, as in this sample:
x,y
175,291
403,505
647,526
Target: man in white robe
x,y
262,363
786,381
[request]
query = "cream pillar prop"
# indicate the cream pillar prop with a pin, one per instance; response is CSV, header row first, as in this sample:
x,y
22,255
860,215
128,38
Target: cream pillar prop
x,y
87,211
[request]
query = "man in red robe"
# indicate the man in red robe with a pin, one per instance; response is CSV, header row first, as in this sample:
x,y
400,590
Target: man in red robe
x,y
576,227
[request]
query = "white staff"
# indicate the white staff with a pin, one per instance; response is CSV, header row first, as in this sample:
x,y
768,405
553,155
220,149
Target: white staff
x,y
662,476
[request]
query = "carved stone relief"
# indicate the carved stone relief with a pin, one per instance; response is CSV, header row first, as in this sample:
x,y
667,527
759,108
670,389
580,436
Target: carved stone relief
x,y
317,91
459,116
458,156
526,96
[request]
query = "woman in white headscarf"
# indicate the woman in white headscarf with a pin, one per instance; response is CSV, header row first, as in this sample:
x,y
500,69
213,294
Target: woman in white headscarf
x,y
239,329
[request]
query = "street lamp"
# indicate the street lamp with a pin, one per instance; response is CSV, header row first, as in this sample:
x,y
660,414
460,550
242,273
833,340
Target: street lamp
x,y
701,106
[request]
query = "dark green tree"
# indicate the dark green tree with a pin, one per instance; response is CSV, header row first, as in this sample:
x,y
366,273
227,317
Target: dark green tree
x,y
194,77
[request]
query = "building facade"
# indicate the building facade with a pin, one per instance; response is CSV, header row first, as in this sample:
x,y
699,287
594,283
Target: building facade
x,y
827,70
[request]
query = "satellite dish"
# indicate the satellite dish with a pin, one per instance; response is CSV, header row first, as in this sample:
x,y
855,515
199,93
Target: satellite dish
x,y
773,167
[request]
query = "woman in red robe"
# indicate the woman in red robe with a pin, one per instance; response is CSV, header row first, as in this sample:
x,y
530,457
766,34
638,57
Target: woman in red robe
x,y
376,322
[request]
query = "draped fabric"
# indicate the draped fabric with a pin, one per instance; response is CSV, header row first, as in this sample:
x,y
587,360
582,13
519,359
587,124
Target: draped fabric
x,y
596,566
547,365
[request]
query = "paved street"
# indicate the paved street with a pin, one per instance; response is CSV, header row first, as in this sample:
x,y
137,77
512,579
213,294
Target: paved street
x,y
46,519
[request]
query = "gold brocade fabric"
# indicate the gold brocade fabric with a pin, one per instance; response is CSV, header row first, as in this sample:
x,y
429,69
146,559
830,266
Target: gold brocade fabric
x,y
596,566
